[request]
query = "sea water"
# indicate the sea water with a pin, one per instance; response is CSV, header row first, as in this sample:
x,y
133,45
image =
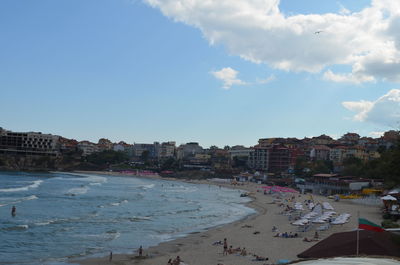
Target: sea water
x,y
61,215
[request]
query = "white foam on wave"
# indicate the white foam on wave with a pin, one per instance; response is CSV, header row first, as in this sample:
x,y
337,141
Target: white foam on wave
x,y
139,218
28,198
95,179
77,191
182,189
146,187
43,223
162,237
118,203
32,197
35,184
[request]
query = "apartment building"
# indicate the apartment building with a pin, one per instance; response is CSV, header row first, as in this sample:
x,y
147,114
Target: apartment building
x,y
28,143
87,148
167,150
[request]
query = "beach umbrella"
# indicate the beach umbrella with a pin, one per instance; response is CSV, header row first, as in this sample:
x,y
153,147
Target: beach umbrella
x,y
388,198
394,191
345,244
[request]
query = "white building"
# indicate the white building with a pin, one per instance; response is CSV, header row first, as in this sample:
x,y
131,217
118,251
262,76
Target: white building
x,y
87,147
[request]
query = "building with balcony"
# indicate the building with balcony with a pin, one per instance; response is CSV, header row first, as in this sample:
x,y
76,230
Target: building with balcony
x,y
28,143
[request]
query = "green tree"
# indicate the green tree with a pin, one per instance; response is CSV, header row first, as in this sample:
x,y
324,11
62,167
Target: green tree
x,y
300,165
352,166
170,164
107,157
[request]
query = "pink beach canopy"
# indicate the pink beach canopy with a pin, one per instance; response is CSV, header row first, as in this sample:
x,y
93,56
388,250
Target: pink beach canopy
x,y
279,189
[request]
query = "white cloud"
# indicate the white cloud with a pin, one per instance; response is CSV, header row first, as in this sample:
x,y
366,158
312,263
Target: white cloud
x,y
228,76
376,134
267,80
384,111
347,78
256,30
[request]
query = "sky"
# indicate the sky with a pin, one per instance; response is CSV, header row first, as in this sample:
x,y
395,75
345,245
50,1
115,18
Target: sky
x,y
217,72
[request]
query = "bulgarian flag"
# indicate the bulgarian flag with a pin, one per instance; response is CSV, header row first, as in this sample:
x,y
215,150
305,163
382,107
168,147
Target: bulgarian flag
x,y
367,225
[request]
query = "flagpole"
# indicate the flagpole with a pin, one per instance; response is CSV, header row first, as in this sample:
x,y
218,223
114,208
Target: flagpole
x,y
358,233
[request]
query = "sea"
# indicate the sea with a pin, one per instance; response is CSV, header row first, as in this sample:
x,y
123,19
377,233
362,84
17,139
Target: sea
x,y
63,216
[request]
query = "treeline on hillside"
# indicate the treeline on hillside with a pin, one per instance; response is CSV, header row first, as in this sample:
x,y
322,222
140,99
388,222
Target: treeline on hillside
x,y
387,167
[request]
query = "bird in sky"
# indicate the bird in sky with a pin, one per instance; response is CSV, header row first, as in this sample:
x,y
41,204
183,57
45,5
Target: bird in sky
x,y
318,32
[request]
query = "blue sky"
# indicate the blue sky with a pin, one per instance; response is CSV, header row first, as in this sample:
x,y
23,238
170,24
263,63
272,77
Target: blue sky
x,y
144,71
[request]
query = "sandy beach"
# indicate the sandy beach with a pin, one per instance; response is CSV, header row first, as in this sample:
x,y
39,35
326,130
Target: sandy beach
x,y
254,233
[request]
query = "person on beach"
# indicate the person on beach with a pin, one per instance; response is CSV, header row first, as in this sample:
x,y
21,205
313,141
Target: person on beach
x,y
110,257
316,236
140,251
244,252
177,261
230,250
13,211
225,253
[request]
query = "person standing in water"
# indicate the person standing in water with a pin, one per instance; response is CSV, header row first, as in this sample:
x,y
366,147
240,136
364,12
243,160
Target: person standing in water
x,y
13,211
140,251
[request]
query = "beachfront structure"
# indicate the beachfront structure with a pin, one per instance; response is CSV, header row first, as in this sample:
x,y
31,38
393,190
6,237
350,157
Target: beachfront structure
x,y
67,145
119,147
273,158
87,148
152,149
239,151
28,143
104,144
167,150
322,140
189,150
336,154
328,184
259,158
320,152
349,139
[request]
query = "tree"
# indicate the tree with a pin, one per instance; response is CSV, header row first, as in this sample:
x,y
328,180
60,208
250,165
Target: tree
x,y
170,164
352,166
300,165
107,157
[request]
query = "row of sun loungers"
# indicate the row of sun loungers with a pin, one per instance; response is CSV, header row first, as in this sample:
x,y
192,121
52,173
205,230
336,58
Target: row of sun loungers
x,y
327,206
341,219
298,206
324,217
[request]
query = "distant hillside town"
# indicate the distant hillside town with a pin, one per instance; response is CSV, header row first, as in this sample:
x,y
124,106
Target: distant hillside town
x,y
347,156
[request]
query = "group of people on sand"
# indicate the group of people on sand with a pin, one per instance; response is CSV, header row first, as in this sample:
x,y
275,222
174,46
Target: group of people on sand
x,y
238,251
176,261
231,250
287,235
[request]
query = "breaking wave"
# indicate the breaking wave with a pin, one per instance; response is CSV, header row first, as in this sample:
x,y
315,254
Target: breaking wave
x,y
35,184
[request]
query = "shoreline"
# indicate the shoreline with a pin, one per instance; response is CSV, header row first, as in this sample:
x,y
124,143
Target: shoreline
x,y
253,232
